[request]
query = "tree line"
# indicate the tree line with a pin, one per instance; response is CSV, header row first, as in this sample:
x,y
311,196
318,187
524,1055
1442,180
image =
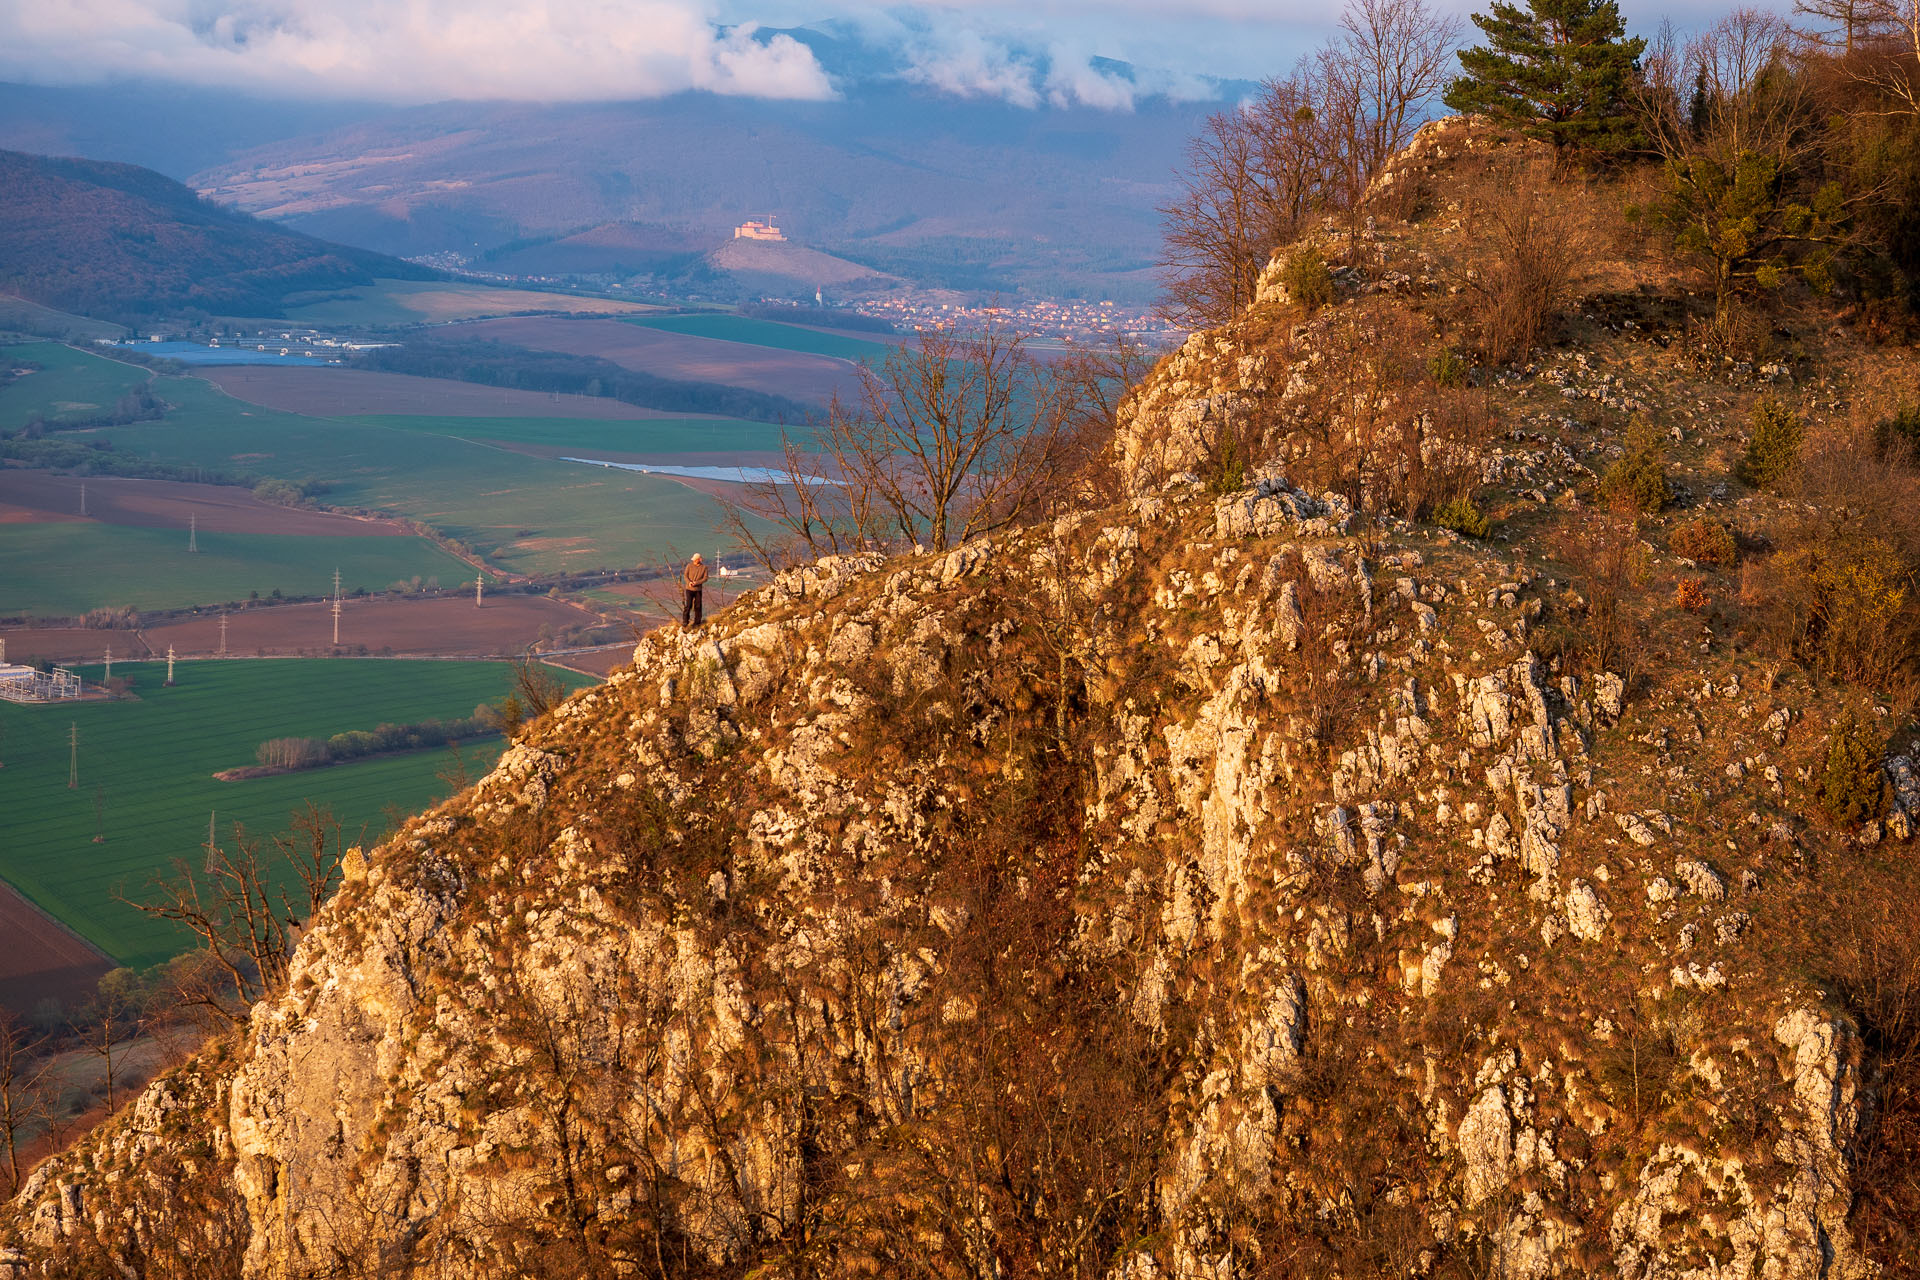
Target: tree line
x,y
1774,152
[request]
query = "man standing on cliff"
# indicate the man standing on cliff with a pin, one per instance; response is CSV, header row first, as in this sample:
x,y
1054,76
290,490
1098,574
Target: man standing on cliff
x,y
694,579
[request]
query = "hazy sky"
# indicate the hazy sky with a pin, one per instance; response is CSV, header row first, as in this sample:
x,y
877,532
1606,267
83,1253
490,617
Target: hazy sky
x,y
427,50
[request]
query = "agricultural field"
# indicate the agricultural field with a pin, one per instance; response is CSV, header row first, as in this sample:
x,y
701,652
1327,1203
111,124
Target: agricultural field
x,y
73,566
399,302
69,386
436,626
31,496
725,327
798,375
347,393
526,514
146,768
491,482
658,436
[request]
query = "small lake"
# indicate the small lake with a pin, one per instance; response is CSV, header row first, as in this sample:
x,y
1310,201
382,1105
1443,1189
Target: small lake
x,y
736,475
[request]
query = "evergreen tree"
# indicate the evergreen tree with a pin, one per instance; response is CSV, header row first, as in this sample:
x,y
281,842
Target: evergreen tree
x,y
1558,70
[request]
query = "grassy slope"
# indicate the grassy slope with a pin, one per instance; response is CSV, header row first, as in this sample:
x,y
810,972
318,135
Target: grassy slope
x,y
767,333
69,384
68,568
155,758
31,317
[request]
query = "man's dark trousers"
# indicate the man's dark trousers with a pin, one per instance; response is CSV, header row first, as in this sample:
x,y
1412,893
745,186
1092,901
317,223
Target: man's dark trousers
x,y
692,606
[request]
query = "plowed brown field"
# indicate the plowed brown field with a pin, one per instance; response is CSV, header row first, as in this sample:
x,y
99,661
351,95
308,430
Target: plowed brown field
x,y
40,958
36,496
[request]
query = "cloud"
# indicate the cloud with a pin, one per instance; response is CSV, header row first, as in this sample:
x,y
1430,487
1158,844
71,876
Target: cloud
x,y
1028,64
408,50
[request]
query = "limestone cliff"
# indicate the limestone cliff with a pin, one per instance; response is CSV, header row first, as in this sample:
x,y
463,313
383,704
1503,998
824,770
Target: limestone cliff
x,y
1215,884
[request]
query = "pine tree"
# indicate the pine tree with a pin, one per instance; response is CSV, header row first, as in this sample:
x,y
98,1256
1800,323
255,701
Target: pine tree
x,y
1558,70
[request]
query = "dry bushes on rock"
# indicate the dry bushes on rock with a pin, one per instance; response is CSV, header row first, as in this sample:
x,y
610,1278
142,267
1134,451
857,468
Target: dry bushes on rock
x,y
1839,592
1534,248
1704,540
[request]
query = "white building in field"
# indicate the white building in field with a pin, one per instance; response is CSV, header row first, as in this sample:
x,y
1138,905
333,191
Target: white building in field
x,y
758,231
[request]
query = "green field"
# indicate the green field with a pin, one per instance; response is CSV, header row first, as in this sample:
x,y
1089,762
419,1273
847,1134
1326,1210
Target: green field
x,y
591,436
69,385
528,514
153,759
69,568
391,302
767,333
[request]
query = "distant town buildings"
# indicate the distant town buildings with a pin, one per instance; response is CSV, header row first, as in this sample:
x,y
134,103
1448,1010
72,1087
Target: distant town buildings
x,y
1068,321
758,231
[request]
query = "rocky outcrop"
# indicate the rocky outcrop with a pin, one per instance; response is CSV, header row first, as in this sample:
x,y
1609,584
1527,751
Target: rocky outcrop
x,y
1222,880
701,909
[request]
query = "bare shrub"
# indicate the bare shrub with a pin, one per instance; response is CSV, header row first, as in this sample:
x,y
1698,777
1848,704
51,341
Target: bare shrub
x,y
1609,565
1535,250
1872,953
1839,593
244,908
951,437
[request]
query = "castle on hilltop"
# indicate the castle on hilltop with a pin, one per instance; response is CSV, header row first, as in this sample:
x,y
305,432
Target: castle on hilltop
x,y
758,231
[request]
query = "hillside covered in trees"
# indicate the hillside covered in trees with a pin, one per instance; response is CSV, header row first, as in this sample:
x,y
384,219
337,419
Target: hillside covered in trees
x,y
120,242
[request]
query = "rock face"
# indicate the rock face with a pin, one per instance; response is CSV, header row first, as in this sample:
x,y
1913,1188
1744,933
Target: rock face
x,y
703,949
1203,886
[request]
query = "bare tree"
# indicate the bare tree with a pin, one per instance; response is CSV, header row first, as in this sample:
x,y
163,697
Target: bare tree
x,y
1390,61
1847,24
115,1013
1310,143
951,437
1226,221
1094,381
245,926
1894,67
22,1101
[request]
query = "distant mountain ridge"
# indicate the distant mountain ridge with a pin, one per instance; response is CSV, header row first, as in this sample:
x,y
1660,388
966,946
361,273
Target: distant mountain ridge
x,y
121,242
942,186
942,192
